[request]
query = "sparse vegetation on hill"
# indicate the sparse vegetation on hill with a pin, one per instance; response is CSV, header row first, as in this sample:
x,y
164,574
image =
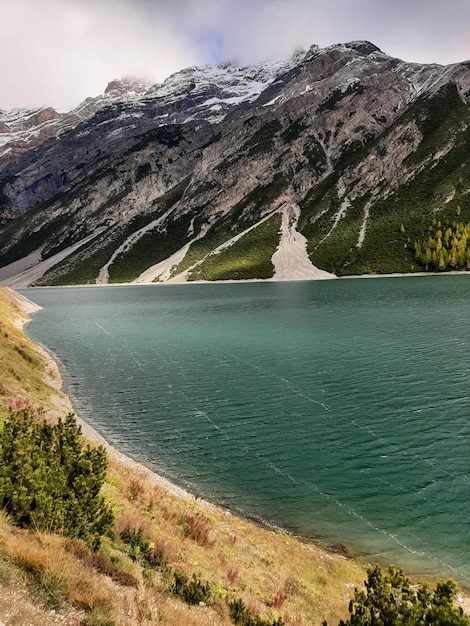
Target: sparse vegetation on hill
x,y
437,189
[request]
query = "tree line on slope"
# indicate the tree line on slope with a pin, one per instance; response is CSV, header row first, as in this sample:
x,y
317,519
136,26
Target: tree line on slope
x,y
447,247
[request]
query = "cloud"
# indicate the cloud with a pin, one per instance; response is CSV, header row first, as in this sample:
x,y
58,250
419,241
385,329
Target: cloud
x,y
253,30
422,30
58,52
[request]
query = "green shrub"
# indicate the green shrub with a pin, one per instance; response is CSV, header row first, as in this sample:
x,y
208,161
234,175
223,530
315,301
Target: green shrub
x,y
50,481
241,616
190,591
141,548
390,600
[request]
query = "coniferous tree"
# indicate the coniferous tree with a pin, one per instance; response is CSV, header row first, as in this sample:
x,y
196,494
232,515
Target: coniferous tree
x,y
390,600
452,241
49,480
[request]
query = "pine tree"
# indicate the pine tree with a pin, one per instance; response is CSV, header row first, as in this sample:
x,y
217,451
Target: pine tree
x,y
441,264
50,481
446,247
390,600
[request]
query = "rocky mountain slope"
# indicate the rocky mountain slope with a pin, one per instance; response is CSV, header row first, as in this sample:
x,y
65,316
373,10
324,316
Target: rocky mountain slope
x,y
337,161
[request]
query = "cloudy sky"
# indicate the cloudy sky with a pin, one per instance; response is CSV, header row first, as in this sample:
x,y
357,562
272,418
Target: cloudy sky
x,y
58,52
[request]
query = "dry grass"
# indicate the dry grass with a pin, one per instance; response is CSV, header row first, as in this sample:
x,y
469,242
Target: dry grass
x,y
15,371
200,529
56,573
273,573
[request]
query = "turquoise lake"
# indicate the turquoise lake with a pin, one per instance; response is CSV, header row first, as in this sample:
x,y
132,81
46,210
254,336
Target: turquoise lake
x,y
339,409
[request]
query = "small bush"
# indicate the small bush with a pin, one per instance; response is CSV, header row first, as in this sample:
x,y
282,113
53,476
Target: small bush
x,y
137,534
99,562
137,539
105,566
191,592
279,598
241,616
389,599
136,488
232,574
50,481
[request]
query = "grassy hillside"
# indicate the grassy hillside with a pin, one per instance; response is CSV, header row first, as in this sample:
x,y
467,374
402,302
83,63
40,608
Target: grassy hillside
x,y
23,372
169,559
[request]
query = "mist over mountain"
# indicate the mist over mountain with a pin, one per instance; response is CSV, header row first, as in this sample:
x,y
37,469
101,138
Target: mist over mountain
x,y
338,161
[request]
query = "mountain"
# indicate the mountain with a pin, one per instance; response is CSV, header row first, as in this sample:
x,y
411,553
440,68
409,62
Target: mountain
x,y
338,161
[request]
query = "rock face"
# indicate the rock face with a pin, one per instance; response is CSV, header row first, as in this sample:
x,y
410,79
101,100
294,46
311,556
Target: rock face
x,y
344,154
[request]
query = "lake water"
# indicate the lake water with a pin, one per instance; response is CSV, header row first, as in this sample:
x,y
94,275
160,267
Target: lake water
x,y
334,408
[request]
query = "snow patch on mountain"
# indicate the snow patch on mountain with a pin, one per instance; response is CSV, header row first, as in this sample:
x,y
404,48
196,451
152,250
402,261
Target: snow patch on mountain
x,y
215,91
206,92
